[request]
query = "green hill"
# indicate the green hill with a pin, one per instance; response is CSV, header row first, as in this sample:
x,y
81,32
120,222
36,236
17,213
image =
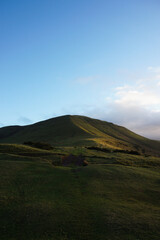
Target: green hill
x,y
115,197
80,131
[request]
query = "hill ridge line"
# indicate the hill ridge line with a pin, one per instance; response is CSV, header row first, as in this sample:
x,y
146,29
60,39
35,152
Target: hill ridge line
x,y
76,130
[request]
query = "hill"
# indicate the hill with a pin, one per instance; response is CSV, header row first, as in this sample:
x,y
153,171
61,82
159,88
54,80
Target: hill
x,y
115,197
80,131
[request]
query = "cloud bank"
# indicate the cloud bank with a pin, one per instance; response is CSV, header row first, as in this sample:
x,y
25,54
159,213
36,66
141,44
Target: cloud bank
x,y
135,106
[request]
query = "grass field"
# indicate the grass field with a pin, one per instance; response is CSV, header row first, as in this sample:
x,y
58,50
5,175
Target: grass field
x,y
115,197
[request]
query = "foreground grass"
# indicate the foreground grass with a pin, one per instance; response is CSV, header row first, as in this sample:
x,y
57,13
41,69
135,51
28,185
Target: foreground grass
x,y
98,202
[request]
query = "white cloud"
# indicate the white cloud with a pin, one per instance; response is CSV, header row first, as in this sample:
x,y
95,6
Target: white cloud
x,y
133,96
135,106
138,107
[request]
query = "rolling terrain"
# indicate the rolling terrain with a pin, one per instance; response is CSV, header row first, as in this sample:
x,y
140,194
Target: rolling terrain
x,y
80,131
115,197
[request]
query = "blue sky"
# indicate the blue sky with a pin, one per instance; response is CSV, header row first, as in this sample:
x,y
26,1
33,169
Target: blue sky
x,y
95,57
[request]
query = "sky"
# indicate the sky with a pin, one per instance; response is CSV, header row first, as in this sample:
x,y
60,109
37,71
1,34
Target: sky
x,y
98,58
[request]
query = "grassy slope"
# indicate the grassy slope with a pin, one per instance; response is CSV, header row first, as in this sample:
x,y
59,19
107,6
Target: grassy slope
x,y
116,197
109,202
22,152
58,131
114,135
79,130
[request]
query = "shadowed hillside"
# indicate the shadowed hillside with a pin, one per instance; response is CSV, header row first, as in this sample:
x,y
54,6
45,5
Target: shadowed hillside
x,y
97,181
80,131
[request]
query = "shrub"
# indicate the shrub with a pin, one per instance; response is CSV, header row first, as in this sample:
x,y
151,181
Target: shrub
x,y
41,145
71,159
99,149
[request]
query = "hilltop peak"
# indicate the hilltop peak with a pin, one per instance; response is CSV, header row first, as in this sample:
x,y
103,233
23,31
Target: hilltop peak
x,y
77,130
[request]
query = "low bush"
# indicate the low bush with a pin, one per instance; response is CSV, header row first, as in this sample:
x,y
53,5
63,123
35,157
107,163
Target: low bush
x,y
71,159
41,145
